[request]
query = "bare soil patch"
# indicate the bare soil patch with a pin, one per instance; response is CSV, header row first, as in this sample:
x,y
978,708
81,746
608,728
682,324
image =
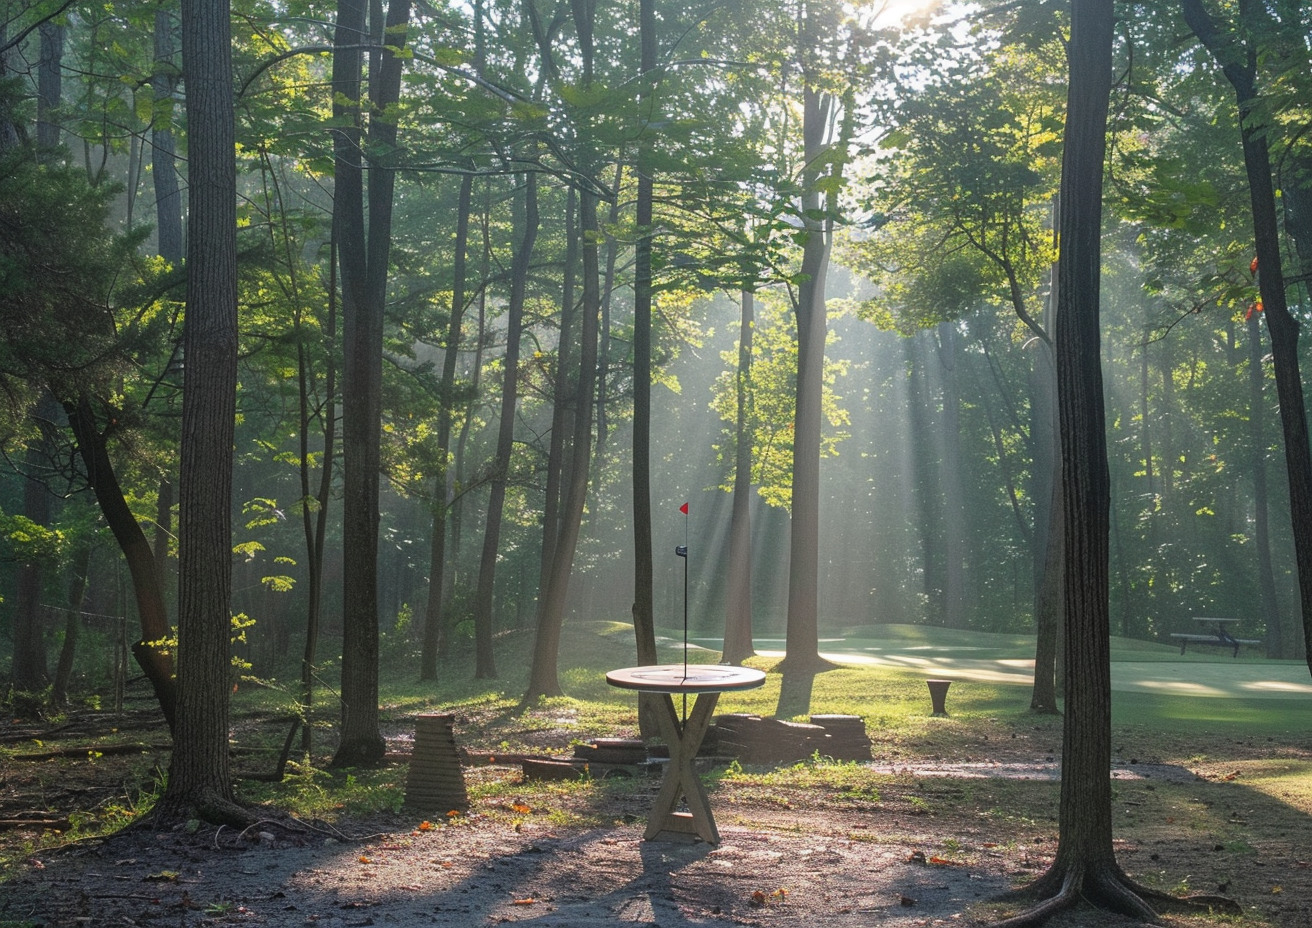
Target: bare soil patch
x,y
947,826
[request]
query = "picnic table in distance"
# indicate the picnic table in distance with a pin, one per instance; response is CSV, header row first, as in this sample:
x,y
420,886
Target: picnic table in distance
x,y
1220,636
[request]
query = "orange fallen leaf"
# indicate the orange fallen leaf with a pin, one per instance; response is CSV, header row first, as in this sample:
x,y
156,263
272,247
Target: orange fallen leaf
x,y
520,808
781,894
453,813
527,901
940,860
365,860
990,844
758,898
425,826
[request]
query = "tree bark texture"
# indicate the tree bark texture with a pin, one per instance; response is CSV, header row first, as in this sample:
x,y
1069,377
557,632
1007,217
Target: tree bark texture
x,y
50,79
738,645
954,508
314,520
163,144
543,676
1048,529
485,664
644,618
363,260
561,421
1085,865
200,782
803,636
443,485
1266,581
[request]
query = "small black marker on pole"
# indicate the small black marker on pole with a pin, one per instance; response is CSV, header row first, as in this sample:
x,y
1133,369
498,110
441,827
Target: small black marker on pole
x,y
682,551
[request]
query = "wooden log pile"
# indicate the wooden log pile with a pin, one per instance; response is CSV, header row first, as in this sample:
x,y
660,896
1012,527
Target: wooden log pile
x,y
753,739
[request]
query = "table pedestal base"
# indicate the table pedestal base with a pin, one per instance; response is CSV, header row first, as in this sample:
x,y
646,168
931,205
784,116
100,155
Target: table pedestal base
x,y
681,780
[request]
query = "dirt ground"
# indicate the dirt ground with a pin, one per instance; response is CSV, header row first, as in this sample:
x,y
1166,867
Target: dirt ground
x,y
940,837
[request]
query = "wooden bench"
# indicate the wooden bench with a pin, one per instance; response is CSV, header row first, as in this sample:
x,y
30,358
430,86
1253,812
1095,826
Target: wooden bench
x,y
1220,638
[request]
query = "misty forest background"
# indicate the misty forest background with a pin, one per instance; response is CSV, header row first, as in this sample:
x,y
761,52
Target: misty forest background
x,y
923,154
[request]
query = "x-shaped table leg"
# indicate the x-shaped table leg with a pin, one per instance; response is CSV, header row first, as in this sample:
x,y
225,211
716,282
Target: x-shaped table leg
x,y
681,780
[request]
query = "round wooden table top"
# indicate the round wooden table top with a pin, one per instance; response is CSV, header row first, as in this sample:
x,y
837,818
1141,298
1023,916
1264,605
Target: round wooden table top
x,y
692,678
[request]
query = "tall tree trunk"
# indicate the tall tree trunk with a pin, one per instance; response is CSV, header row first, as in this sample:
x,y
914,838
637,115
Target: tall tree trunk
x,y
954,508
738,645
31,672
1085,867
50,80
168,224
543,679
149,650
803,635
200,783
1266,581
924,466
485,663
644,619
1238,60
77,587
363,262
607,299
443,484
462,443
1047,529
163,148
560,418
314,519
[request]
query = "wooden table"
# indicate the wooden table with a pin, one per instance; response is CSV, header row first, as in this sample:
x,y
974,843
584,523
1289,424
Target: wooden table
x,y
706,682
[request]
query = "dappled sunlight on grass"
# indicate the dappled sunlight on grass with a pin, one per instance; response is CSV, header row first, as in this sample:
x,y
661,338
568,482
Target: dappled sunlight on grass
x,y
1286,780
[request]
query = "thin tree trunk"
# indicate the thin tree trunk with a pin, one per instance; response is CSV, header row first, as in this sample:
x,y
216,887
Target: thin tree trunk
x,y
1048,527
1257,467
50,80
163,148
443,487
72,624
924,467
738,645
149,650
485,662
315,524
543,680
954,509
644,620
31,672
560,420
607,298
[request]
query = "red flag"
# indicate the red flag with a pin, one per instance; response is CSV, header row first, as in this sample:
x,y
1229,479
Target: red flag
x,y
684,509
